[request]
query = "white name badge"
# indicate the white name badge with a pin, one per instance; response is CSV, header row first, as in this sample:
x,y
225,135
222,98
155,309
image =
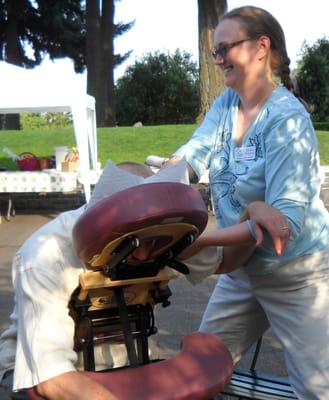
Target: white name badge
x,y
245,153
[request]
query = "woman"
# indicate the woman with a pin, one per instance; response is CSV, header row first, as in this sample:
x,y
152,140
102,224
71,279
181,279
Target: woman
x,y
259,143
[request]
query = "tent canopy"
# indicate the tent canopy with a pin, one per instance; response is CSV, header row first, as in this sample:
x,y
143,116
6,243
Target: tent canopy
x,y
34,90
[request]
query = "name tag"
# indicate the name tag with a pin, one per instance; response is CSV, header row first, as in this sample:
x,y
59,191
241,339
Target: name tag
x,y
245,153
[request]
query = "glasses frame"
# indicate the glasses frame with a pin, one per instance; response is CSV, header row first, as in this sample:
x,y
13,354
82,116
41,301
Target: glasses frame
x,y
223,49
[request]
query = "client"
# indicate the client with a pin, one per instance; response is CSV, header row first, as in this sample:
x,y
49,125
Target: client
x,y
37,349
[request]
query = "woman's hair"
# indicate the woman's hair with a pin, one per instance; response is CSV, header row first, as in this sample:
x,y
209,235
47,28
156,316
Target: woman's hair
x,y
258,22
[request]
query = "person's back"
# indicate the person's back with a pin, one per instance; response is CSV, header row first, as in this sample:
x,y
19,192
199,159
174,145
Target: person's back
x,y
49,248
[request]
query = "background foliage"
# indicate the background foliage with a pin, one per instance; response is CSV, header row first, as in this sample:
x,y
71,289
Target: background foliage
x,y
31,121
160,88
312,78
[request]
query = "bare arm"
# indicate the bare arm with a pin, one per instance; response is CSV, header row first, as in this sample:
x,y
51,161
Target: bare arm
x,y
234,257
73,385
234,235
237,240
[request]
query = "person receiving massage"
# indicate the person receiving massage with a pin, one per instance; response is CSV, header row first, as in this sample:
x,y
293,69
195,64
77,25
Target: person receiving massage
x,y
259,143
37,348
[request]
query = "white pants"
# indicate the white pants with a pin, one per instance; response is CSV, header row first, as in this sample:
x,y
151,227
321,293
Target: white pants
x,y
294,302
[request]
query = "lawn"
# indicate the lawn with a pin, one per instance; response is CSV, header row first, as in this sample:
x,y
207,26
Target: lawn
x,y
117,144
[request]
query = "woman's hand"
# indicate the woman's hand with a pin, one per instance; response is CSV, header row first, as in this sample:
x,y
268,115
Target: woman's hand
x,y
265,217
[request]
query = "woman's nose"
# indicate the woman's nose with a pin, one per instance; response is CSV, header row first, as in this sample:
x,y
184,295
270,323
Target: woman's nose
x,y
219,60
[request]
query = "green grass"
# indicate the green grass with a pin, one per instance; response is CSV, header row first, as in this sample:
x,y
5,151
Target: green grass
x,y
117,144
135,144
323,138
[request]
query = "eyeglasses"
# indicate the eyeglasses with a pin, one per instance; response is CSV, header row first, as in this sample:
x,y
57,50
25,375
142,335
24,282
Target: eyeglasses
x,y
223,48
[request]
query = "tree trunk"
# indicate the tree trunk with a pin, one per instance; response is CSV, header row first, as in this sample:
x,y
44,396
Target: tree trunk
x,y
100,79
93,45
12,56
106,88
211,79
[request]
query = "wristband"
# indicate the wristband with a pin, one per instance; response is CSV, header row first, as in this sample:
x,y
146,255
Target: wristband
x,y
251,228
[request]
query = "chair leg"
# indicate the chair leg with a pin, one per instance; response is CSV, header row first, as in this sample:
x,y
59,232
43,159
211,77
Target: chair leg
x,y
256,354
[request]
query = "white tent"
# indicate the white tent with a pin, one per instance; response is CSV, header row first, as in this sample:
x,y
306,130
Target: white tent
x,y
34,90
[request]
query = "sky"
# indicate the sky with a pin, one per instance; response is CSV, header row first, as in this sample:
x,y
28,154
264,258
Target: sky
x,y
170,24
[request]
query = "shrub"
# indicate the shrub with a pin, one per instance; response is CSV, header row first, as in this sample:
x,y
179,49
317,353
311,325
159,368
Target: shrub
x,y
30,121
321,126
159,89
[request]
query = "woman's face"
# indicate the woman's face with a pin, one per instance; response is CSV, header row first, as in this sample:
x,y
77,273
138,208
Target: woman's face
x,y
236,53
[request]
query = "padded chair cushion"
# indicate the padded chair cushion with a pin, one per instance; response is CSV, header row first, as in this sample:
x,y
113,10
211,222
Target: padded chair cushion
x,y
136,210
200,371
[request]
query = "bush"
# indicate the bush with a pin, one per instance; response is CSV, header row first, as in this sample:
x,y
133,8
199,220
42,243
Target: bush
x,y
159,89
312,78
30,121
321,126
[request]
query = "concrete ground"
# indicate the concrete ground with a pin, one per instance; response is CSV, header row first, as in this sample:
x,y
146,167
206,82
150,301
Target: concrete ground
x,y
182,317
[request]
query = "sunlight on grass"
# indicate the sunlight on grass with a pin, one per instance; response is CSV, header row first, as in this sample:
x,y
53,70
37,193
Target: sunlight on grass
x,y
323,138
118,144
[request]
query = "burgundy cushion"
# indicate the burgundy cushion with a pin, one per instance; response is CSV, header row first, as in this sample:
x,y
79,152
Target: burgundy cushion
x,y
202,369
136,208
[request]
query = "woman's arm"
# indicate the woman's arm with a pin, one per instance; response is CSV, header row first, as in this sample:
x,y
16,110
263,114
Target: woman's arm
x,y
234,257
291,166
197,151
262,216
237,234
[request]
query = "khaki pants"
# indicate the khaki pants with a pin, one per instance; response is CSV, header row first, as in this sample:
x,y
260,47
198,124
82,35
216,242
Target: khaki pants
x,y
294,302
7,386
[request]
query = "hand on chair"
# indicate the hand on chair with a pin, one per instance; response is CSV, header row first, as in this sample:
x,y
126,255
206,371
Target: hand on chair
x,y
271,220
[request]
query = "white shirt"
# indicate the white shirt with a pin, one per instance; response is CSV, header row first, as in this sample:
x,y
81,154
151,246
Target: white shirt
x,y
45,273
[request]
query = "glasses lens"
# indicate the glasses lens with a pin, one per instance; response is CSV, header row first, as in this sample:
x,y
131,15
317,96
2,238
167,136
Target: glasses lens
x,y
221,51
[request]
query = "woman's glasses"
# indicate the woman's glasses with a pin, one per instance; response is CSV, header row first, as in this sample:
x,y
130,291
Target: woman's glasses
x,y
223,48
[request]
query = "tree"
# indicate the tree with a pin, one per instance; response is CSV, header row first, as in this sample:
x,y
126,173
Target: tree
x,y
211,80
31,29
101,59
53,27
159,89
312,78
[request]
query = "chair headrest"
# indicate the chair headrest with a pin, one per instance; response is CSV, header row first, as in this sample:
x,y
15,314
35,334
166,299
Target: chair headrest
x,y
147,209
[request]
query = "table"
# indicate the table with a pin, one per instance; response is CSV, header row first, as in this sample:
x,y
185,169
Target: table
x,y
45,181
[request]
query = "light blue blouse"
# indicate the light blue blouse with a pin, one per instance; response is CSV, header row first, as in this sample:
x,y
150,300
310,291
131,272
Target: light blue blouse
x,y
277,162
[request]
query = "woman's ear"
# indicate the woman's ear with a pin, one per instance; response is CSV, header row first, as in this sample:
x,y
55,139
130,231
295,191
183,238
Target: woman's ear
x,y
264,46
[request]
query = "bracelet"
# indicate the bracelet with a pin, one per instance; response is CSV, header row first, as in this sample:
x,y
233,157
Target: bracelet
x,y
251,228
